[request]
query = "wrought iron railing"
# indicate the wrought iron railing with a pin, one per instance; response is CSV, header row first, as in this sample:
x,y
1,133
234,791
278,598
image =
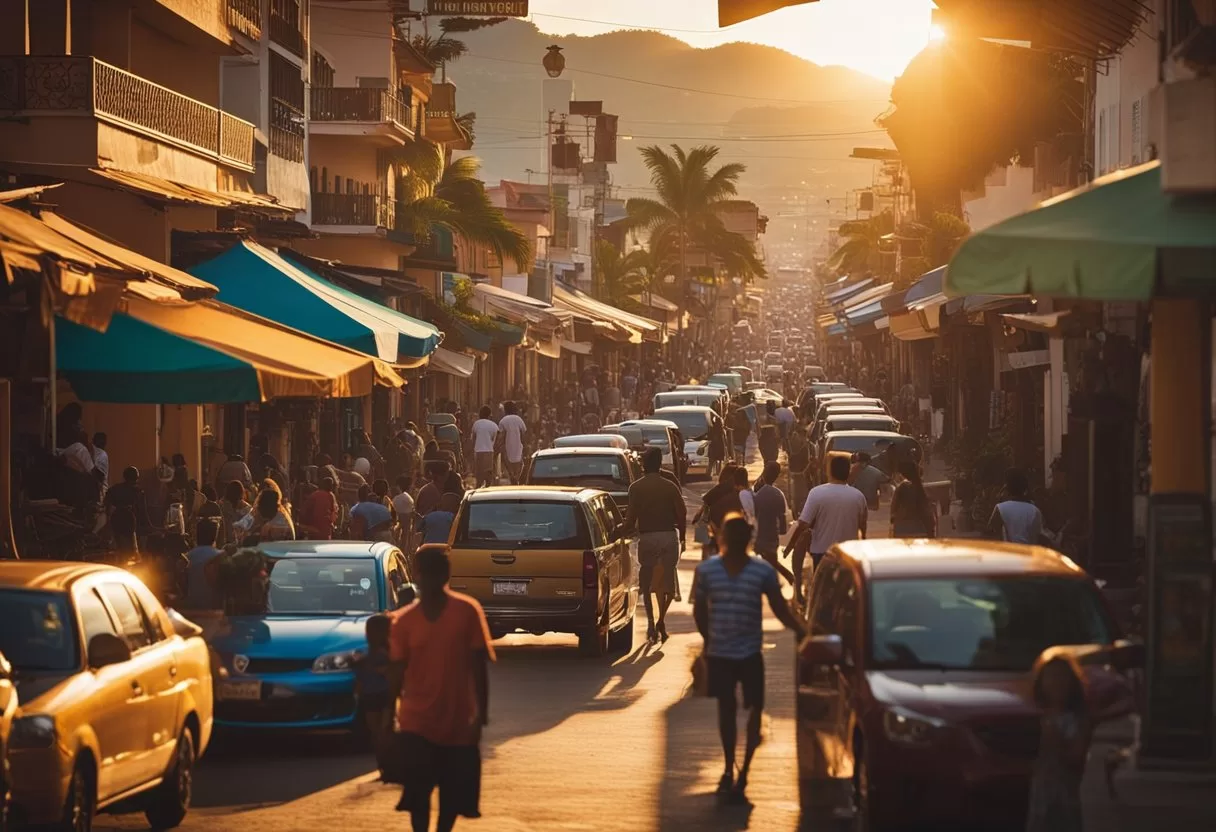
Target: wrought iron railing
x,y
64,83
246,17
359,104
286,131
286,26
373,210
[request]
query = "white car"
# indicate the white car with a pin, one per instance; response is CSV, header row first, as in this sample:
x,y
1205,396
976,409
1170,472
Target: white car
x,y
694,422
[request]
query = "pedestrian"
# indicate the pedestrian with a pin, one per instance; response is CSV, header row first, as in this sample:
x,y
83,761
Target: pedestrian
x,y
513,429
101,460
740,430
184,492
233,508
1065,733
485,432
433,454
731,501
403,504
234,469
436,526
834,512
270,521
728,611
319,512
349,481
724,487
428,496
717,445
657,510
867,478
211,510
366,450
440,648
200,593
371,519
772,518
912,512
127,512
1016,519
272,470
799,459
373,688
785,421
767,434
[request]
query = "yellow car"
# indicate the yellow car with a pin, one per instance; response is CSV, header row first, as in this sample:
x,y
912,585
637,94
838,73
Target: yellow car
x,y
116,695
548,559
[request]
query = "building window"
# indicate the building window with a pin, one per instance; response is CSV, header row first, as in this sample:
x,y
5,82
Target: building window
x,y
286,109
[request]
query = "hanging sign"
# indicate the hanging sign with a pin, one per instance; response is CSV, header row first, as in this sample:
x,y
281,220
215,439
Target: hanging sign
x,y
479,8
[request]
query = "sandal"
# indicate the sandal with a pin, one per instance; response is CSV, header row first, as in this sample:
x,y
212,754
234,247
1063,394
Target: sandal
x,y
726,785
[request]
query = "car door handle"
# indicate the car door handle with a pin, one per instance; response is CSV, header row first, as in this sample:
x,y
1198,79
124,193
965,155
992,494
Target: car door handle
x,y
503,560
173,671
137,688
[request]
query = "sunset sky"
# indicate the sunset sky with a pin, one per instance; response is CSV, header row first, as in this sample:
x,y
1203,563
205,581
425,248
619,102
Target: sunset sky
x,y
878,37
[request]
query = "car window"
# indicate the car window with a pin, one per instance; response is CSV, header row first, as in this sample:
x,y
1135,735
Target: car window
x,y
595,519
36,631
605,469
537,523
130,621
606,510
94,617
844,599
150,608
325,586
821,614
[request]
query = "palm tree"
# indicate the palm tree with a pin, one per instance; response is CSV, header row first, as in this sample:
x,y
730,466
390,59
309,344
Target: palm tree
x,y
864,248
688,189
449,194
468,123
440,50
616,276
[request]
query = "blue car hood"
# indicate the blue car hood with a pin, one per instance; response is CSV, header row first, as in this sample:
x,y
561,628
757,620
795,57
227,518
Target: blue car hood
x,y
290,636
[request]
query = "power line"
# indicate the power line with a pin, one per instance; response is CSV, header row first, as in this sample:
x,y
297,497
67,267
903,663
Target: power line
x,y
635,26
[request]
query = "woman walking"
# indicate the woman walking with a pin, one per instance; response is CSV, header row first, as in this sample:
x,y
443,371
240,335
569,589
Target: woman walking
x,y
912,512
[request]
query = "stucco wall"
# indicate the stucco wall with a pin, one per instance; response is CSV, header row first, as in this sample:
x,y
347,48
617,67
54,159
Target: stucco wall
x,y
356,39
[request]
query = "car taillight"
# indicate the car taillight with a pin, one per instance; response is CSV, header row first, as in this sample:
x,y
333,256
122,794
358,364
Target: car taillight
x,y
591,573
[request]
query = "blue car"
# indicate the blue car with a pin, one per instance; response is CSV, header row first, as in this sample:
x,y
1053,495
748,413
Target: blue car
x,y
292,668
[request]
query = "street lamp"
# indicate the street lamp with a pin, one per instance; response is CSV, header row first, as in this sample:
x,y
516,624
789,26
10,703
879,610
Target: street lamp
x,y
554,61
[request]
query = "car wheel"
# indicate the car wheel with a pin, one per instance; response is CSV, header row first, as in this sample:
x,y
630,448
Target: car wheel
x,y
170,802
593,643
81,802
622,640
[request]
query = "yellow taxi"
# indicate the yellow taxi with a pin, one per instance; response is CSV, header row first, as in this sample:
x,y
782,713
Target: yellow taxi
x,y
115,695
545,559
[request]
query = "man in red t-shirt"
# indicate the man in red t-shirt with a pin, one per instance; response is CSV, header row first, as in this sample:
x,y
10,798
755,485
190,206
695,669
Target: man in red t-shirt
x,y
441,646
319,513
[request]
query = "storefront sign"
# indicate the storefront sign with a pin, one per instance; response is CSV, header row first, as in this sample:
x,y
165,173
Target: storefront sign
x,y
479,8
1178,720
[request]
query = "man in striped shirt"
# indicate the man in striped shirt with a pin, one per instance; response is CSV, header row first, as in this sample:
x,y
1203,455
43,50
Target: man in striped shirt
x,y
728,610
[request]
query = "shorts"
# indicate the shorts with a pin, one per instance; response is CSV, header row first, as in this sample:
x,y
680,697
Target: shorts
x,y
658,549
454,769
727,674
483,464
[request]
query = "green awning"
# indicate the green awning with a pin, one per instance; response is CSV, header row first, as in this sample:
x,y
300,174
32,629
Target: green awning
x,y
508,335
1105,241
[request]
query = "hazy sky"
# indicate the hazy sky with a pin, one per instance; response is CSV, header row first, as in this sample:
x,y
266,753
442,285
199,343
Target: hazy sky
x,y
878,37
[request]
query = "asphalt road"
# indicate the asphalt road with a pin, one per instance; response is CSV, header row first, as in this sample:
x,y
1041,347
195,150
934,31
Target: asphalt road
x,y
573,744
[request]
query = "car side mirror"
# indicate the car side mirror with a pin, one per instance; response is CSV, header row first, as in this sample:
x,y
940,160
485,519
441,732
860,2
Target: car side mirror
x,y
822,651
106,649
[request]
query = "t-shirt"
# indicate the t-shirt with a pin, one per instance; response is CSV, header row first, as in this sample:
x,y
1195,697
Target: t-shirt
x,y
785,416
372,513
428,499
78,457
438,699
867,481
655,503
771,514
403,504
319,512
484,431
736,617
835,512
1023,521
747,502
101,461
513,429
200,594
437,526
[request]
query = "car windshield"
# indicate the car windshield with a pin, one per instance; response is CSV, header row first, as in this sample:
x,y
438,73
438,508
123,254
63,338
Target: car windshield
x,y
37,631
693,425
323,586
544,524
584,469
654,434
845,423
864,442
999,623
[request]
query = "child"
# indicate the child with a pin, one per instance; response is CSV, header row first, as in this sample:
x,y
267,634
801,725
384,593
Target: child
x,y
372,690
1066,731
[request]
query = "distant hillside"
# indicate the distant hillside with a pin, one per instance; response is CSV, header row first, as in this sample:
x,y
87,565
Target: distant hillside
x,y
761,94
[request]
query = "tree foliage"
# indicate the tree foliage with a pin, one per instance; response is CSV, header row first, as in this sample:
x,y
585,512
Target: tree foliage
x,y
618,276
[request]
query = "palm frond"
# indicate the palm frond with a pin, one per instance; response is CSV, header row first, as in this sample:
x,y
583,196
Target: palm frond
x,y
440,50
642,212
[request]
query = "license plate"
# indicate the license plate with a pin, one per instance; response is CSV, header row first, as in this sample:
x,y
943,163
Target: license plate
x,y
510,587
240,691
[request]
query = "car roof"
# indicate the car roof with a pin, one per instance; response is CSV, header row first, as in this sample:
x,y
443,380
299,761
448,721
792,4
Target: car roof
x,y
905,558
636,423
877,417
683,408
878,434
48,575
581,450
326,549
540,493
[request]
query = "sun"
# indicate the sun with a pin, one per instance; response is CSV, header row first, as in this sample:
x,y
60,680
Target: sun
x,y
936,33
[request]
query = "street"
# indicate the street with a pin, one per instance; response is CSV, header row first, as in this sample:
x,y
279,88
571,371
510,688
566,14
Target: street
x,y
610,744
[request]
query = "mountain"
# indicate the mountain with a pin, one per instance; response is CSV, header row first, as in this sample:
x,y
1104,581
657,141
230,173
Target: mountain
x,y
758,92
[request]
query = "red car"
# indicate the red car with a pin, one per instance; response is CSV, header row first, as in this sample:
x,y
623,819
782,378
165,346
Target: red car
x,y
914,688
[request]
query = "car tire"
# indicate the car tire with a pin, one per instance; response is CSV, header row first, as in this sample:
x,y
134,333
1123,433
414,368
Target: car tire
x,y
169,803
594,643
622,640
81,802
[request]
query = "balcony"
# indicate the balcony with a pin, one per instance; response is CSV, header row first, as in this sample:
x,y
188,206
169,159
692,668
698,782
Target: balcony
x,y
361,214
364,111
69,85
286,27
245,16
441,124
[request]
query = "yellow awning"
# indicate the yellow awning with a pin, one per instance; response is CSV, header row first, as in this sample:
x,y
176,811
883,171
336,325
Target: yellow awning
x,y
289,363
635,326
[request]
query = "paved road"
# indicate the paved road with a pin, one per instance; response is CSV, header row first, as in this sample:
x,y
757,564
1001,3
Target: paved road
x,y
573,744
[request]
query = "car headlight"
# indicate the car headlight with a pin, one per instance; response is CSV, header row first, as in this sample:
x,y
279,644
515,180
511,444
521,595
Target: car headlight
x,y
336,662
908,728
33,732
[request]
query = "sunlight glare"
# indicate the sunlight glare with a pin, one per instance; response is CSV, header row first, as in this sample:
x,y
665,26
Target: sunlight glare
x,y
936,33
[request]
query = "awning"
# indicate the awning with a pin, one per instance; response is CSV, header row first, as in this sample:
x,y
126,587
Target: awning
x,y
164,190
836,329
841,295
927,285
874,293
655,302
917,325
576,347
1108,240
453,363
984,303
157,353
637,326
518,308
258,280
1048,323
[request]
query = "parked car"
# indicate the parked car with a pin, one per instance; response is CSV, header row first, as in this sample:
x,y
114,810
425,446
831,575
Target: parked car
x,y
806,399
609,469
633,436
293,666
744,372
695,424
8,709
116,695
718,399
664,434
915,684
812,373
886,448
592,440
834,422
548,559
733,382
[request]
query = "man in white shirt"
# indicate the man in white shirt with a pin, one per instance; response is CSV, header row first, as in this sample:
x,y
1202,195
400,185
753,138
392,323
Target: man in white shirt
x,y
513,429
101,461
485,432
785,421
833,512
1017,519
